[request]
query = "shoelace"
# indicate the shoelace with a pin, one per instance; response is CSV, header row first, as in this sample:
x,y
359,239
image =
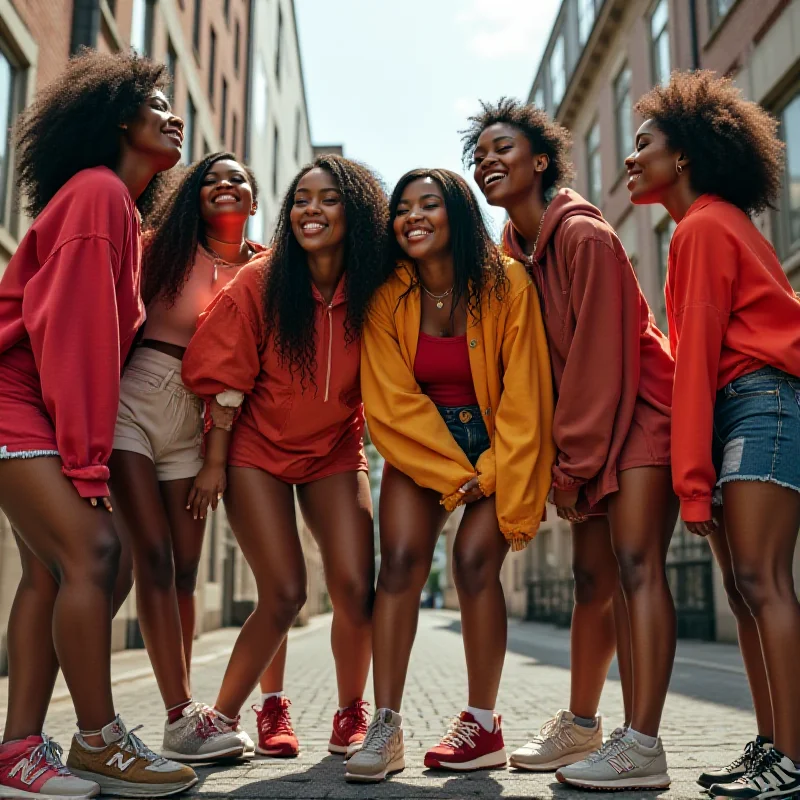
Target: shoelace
x,y
761,763
461,732
356,717
51,752
552,732
274,721
610,747
208,723
133,744
378,735
746,758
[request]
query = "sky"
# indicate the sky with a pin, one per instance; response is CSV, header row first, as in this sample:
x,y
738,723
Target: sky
x,y
395,82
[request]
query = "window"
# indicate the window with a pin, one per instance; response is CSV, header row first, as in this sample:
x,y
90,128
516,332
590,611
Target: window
x,y
236,48
585,20
663,237
212,65
8,75
223,127
139,26
659,36
623,114
255,226
226,10
538,98
558,78
234,132
594,167
718,10
172,67
188,132
789,214
198,8
275,155
298,122
260,97
278,46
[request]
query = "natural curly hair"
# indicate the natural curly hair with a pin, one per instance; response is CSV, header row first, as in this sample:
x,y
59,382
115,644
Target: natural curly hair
x,y
289,304
477,262
545,136
73,123
175,228
731,143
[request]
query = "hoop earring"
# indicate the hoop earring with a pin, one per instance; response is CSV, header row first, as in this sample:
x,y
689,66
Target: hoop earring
x,y
679,169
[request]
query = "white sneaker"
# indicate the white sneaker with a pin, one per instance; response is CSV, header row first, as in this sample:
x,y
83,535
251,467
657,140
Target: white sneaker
x,y
621,763
199,736
382,751
771,775
560,742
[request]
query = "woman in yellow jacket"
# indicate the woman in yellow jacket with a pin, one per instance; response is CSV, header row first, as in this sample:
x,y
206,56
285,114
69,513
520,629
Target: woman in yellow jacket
x,y
458,397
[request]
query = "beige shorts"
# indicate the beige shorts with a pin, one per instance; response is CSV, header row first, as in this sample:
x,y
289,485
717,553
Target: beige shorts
x,y
158,416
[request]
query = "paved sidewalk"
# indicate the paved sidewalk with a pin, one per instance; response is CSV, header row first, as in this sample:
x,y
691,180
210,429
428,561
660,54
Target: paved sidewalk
x,y
707,719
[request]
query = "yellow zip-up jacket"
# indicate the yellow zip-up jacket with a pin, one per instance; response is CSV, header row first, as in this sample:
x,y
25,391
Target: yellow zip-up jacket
x,y
510,366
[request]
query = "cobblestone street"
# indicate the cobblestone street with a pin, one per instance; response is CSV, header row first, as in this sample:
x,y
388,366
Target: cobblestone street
x,y
708,716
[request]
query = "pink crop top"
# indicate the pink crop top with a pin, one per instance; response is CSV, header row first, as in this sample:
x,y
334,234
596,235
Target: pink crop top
x,y
442,370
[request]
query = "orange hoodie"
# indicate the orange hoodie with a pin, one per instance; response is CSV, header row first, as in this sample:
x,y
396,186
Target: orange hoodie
x,y
731,311
511,374
612,366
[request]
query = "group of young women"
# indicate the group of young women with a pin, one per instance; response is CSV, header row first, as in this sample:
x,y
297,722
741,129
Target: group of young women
x,y
189,365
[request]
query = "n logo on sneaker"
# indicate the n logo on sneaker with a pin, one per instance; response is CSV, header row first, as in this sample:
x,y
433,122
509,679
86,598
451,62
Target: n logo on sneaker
x,y
29,772
621,763
118,760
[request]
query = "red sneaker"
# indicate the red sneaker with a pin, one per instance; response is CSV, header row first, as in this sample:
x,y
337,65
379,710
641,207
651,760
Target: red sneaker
x,y
349,729
32,768
468,746
275,733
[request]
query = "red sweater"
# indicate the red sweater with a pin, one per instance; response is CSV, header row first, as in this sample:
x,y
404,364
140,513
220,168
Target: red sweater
x,y
69,311
731,311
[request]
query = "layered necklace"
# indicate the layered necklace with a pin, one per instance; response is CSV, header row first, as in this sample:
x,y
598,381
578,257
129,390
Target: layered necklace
x,y
439,298
538,234
219,261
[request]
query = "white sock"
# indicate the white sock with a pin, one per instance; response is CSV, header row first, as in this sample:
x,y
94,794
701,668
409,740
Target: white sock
x,y
483,716
642,738
267,695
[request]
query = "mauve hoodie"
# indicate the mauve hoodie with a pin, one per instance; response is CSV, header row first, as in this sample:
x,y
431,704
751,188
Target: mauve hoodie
x,y
612,366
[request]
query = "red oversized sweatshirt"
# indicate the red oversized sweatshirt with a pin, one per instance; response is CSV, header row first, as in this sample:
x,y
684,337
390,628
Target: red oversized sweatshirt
x,y
69,311
731,312
298,434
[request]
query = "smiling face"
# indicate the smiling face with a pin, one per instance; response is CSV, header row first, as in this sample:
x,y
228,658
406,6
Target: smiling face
x,y
505,166
653,166
155,132
225,192
317,214
420,222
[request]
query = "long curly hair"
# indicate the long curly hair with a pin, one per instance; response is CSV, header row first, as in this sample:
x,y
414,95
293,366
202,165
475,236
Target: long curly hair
x,y
544,134
477,262
175,228
289,304
732,143
73,123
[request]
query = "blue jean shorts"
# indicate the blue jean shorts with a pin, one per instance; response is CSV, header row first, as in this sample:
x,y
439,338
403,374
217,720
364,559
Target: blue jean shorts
x,y
468,429
757,430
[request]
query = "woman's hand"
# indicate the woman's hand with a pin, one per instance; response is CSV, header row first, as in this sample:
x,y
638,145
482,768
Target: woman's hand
x,y
702,528
565,503
106,502
207,490
471,490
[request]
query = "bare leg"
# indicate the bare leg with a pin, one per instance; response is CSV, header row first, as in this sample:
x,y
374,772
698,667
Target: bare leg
x,y
273,676
622,626
338,512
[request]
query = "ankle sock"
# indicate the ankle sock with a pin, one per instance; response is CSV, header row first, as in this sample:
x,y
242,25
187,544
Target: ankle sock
x,y
643,738
483,716
269,695
585,722
175,713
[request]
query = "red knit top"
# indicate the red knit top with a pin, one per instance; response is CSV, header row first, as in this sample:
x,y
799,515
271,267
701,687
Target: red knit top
x,y
441,368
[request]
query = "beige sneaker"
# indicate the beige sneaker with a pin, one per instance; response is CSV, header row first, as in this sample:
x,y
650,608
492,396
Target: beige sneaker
x,y
382,751
561,741
126,767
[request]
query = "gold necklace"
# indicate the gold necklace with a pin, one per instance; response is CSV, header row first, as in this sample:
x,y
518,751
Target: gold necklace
x,y
439,298
538,234
220,262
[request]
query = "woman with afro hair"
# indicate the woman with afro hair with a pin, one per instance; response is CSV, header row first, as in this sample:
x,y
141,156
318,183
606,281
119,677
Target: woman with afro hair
x,y
613,377
196,246
281,345
713,160
89,150
459,402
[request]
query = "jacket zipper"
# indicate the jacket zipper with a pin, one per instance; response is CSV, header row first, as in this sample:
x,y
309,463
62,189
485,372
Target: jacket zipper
x,y
330,350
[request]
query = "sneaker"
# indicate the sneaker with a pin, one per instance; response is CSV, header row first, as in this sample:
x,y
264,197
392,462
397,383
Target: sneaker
x,y
621,763
228,725
32,767
275,733
468,746
382,751
349,729
772,774
124,766
198,736
560,742
738,767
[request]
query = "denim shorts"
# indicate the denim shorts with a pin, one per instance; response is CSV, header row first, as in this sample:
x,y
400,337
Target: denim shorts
x,y
757,430
468,429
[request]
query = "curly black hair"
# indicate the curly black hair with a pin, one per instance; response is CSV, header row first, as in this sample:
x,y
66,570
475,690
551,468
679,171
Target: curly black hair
x,y
477,262
175,228
73,123
731,143
289,304
545,136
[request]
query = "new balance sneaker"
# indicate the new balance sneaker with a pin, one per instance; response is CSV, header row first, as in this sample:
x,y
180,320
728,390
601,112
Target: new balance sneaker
x,y
382,751
32,767
738,767
349,729
275,733
772,774
621,763
560,742
232,725
198,736
468,746
124,766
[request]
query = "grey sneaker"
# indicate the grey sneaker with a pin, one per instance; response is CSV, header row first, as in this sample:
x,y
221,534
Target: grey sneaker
x,y
228,725
560,742
199,735
621,763
382,751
